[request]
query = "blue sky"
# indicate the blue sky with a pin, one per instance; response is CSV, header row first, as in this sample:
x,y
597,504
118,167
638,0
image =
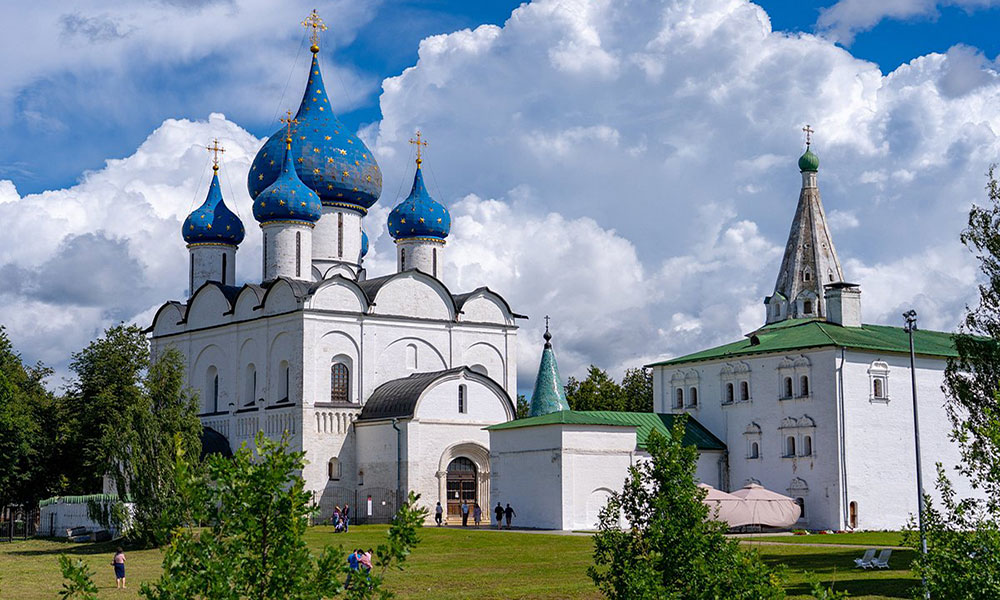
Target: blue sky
x,y
48,157
626,166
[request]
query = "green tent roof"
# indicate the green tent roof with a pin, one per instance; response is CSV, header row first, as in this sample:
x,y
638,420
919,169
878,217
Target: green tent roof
x,y
798,334
695,433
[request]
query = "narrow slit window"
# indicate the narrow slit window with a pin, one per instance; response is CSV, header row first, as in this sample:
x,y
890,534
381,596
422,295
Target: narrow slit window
x,y
340,235
340,383
804,385
788,388
744,391
679,398
730,395
693,397
223,268
298,254
462,407
790,446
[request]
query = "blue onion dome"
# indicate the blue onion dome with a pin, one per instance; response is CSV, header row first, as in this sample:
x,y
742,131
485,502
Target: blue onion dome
x,y
287,198
419,215
213,222
808,161
328,158
364,243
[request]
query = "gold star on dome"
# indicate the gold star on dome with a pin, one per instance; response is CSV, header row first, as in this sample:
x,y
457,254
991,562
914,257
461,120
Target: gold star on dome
x,y
421,219
272,163
300,159
209,226
303,203
329,159
349,141
342,151
260,177
315,171
316,150
345,173
327,138
281,202
329,186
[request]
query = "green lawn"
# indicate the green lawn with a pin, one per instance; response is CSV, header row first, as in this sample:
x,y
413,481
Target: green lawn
x,y
452,564
871,539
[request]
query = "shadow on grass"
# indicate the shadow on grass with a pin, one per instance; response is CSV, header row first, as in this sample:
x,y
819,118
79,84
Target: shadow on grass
x,y
63,546
836,568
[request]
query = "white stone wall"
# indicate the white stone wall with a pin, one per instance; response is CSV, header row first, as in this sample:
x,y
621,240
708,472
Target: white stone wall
x,y
420,254
206,264
327,250
526,471
876,437
287,250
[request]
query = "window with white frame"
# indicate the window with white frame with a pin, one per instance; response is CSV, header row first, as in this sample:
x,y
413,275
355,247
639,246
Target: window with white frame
x,y
752,435
333,469
692,399
735,383
679,398
794,378
878,376
798,435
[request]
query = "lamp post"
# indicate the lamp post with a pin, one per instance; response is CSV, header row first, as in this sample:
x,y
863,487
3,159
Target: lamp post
x,y
911,325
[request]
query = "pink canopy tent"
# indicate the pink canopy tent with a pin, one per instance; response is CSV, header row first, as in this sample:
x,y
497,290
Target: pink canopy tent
x,y
726,507
768,508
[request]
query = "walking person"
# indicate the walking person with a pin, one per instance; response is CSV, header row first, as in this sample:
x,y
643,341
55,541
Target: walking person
x,y
509,513
465,514
477,514
438,513
353,561
498,511
345,516
118,562
335,519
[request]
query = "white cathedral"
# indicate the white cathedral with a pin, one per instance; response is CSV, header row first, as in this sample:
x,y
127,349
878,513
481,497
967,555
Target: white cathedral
x,y
395,383
385,382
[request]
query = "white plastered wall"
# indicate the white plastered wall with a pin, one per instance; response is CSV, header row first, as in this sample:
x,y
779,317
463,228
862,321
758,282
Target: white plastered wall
x,y
206,264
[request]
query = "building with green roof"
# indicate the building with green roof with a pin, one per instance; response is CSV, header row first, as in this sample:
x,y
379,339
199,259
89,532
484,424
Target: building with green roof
x,y
816,404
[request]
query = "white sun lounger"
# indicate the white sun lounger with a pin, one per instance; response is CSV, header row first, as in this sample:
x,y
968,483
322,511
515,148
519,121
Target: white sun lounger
x,y
865,561
882,561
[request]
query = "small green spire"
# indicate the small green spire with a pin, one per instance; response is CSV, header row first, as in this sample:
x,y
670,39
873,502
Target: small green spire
x,y
549,395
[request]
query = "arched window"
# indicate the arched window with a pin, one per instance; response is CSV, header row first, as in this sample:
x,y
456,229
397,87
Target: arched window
x,y
333,469
744,391
852,519
806,276
802,507
284,372
679,398
211,390
223,268
729,393
804,385
411,356
878,390
434,253
790,445
754,450
693,397
788,393
215,393
251,385
298,254
807,445
340,383
807,307
462,406
340,235
402,259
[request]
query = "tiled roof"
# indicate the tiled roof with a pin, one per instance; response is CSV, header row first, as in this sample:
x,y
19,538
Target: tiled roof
x,y
798,334
695,433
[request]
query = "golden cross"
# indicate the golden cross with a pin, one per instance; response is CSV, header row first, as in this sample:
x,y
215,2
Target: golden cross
x,y
288,124
419,143
809,131
317,25
215,149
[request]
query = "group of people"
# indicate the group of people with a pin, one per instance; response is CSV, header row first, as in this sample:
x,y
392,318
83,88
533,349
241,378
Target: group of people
x,y
477,514
359,561
341,519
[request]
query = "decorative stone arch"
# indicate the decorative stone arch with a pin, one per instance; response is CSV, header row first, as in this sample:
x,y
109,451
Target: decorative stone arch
x,y
480,456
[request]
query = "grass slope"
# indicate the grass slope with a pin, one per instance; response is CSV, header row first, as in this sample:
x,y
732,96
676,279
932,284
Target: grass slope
x,y
452,564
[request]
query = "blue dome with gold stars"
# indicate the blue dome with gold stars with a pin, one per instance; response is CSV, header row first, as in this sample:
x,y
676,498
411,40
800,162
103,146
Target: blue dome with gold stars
x,y
213,222
287,198
329,159
364,243
419,215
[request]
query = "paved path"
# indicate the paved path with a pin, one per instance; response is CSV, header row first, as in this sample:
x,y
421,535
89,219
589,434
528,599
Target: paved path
x,y
859,547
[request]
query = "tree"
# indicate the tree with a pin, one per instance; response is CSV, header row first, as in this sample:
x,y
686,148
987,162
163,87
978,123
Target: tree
x,y
655,540
597,392
259,509
29,430
637,390
128,417
523,408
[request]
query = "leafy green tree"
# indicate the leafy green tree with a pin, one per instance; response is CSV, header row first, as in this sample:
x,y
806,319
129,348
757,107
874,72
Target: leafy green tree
x,y
259,509
655,541
29,430
523,407
597,392
78,580
637,390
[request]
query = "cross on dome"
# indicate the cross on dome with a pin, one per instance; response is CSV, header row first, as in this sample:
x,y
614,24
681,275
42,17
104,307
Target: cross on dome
x,y
215,149
809,131
420,145
289,121
316,23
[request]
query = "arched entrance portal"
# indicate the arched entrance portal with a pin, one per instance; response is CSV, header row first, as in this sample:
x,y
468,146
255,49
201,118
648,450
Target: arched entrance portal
x,y
464,469
461,486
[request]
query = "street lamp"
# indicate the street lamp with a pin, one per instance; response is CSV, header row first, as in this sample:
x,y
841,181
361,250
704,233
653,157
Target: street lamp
x,y
911,325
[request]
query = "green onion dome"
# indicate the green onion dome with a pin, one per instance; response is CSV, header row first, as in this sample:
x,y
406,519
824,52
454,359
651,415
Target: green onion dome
x,y
808,161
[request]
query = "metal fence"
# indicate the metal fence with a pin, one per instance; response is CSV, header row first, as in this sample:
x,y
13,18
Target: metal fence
x,y
18,523
368,505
